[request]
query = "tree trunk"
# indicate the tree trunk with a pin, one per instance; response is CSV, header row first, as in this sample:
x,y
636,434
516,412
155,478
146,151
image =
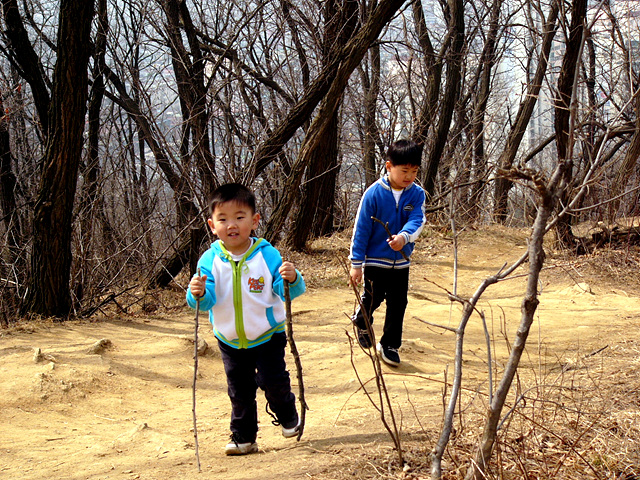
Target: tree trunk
x,y
10,218
49,292
564,107
90,200
451,94
321,172
192,87
346,61
479,161
372,90
434,67
318,196
185,207
184,255
319,88
628,164
505,161
24,55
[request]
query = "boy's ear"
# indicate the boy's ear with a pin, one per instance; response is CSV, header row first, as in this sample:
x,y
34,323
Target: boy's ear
x,y
388,165
210,223
256,220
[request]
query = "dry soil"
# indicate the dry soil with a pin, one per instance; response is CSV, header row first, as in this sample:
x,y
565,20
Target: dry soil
x,y
124,411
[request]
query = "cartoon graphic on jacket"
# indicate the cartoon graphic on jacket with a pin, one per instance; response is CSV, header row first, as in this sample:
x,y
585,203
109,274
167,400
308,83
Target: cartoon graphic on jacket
x,y
405,217
245,295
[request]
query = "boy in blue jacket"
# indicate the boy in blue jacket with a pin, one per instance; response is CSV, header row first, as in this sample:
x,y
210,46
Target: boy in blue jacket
x,y
241,285
397,201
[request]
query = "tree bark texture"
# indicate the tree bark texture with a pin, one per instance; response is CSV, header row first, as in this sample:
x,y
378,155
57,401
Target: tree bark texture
x,y
371,85
434,66
49,292
8,207
90,200
629,162
321,185
563,103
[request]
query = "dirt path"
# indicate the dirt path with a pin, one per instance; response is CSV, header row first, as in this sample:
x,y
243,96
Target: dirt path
x,y
125,413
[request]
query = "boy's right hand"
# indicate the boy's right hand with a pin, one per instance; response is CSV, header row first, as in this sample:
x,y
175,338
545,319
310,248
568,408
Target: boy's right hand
x,y
355,274
198,285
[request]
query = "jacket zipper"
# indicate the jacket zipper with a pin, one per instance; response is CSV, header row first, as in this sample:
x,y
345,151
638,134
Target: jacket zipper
x,y
395,256
236,279
237,302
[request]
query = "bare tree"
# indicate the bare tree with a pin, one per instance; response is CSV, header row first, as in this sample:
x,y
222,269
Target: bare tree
x,y
550,192
48,292
370,80
523,116
625,170
8,205
315,214
90,198
343,64
22,54
455,35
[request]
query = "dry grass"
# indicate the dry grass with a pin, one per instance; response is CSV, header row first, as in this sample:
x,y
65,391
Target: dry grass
x,y
580,420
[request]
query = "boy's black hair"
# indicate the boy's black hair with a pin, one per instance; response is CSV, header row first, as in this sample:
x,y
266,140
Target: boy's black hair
x,y
405,152
232,192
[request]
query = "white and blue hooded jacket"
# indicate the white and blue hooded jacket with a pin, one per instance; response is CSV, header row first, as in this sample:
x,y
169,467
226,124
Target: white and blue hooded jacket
x,y
245,298
405,217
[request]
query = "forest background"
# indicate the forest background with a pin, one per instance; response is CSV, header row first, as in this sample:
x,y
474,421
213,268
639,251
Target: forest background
x,y
120,117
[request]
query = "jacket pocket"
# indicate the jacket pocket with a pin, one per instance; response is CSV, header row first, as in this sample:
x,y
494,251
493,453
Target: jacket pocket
x,y
271,318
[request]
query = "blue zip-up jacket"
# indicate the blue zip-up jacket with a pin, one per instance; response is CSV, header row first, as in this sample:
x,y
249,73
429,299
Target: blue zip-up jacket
x,y
406,217
245,298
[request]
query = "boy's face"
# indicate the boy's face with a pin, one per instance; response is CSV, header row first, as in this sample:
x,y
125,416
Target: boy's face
x,y
233,222
401,176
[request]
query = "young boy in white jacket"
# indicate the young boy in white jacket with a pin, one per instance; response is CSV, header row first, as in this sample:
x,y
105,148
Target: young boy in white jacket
x,y
242,287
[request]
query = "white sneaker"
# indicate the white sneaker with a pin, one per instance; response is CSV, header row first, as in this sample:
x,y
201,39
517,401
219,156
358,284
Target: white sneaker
x,y
291,432
237,446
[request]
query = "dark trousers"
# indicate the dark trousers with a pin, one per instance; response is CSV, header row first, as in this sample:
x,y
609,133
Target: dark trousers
x,y
249,368
390,284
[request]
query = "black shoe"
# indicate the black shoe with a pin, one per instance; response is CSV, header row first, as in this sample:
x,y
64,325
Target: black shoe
x,y
389,355
240,446
364,339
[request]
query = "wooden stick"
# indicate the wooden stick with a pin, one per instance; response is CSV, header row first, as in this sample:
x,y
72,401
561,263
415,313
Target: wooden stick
x,y
296,357
195,376
389,234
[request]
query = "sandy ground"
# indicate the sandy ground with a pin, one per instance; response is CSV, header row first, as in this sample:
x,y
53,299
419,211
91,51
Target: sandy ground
x,y
125,412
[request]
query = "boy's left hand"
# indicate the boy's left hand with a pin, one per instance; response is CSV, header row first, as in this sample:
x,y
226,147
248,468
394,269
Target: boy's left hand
x,y
397,242
288,272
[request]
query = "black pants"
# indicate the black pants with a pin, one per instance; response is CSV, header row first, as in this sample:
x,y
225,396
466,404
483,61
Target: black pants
x,y
249,368
390,284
